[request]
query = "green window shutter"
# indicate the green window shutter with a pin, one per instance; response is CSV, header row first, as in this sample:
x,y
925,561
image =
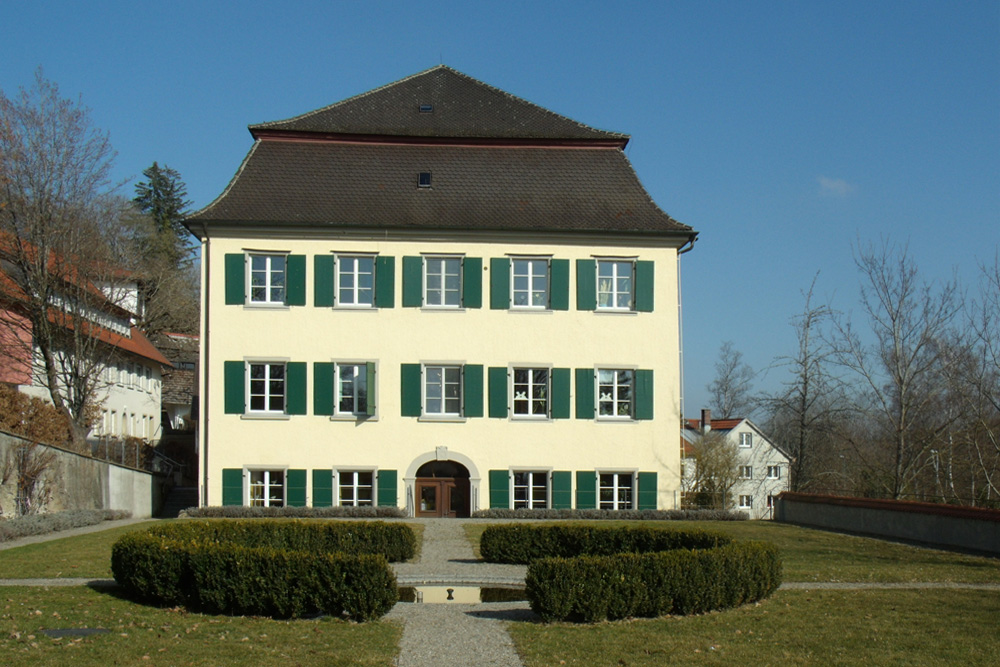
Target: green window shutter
x,y
295,386
370,384
472,389
499,489
296,280
234,379
647,490
586,284
409,388
232,486
644,286
559,284
500,283
560,393
584,393
472,282
236,280
644,394
562,491
387,496
498,392
413,282
586,490
295,480
322,488
323,280
385,281
323,379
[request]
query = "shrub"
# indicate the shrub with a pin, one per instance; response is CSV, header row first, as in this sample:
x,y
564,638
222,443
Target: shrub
x,y
592,573
620,515
40,524
519,543
681,581
243,512
282,569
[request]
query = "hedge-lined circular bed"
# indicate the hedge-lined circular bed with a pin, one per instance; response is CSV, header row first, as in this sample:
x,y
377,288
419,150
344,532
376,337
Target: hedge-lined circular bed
x,y
275,568
592,573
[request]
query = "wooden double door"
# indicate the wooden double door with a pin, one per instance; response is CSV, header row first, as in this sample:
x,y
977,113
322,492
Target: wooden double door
x,y
442,497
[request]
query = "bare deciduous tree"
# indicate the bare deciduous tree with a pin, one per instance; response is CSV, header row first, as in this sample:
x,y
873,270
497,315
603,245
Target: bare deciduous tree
x,y
802,417
732,389
901,370
716,471
57,208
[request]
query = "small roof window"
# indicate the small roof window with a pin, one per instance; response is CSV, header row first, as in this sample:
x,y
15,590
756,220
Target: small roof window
x,y
424,179
426,108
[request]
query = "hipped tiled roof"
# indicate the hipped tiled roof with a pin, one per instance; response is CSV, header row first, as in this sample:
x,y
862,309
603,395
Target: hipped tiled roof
x,y
460,107
472,187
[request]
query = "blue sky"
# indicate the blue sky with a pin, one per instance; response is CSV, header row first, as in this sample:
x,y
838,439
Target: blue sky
x,y
783,132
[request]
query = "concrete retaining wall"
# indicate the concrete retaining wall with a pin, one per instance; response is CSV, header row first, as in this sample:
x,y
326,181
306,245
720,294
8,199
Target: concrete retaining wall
x,y
970,528
76,481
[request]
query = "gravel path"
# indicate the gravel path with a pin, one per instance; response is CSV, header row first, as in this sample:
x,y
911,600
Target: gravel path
x,y
456,634
58,535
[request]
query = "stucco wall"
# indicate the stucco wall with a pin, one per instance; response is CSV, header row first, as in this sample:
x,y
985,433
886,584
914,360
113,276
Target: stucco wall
x,y
962,527
74,481
394,336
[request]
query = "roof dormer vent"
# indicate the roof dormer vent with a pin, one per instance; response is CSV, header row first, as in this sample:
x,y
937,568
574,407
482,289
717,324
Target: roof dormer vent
x,y
426,108
424,179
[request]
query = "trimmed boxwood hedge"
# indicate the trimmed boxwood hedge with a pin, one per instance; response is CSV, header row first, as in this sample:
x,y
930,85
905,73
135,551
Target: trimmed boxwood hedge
x,y
520,543
284,569
589,573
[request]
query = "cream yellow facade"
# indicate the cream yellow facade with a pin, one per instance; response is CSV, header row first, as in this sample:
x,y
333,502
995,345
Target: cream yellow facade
x,y
393,336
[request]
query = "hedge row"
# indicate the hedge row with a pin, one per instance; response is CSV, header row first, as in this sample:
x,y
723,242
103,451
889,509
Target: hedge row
x,y
519,543
619,515
594,588
244,512
260,581
40,524
395,541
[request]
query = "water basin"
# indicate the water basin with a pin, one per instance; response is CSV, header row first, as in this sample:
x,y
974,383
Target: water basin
x,y
444,594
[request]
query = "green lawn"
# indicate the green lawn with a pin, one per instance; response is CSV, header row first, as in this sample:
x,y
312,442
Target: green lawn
x,y
867,627
139,634
817,555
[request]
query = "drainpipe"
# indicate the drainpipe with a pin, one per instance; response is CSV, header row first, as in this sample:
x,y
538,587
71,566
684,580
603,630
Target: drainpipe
x,y
203,371
686,247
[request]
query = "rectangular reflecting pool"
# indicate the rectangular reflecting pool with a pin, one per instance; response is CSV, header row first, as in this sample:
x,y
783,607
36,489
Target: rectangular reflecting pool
x,y
444,594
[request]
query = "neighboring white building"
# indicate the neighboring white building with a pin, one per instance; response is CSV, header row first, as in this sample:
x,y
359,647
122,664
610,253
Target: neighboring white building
x,y
763,466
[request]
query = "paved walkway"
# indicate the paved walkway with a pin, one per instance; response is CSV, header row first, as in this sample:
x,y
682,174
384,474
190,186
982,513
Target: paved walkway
x,y
452,633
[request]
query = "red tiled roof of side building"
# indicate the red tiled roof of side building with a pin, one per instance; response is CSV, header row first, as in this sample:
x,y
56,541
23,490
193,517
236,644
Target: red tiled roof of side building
x,y
717,424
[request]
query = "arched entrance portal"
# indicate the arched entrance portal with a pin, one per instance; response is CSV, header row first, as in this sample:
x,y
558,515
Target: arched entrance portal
x,y
442,490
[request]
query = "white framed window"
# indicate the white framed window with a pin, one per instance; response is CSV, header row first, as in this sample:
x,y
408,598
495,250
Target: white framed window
x,y
614,393
746,472
531,393
443,282
352,389
442,391
774,472
149,379
267,279
267,488
355,281
770,501
356,488
266,387
529,285
615,284
746,439
531,489
746,502
615,490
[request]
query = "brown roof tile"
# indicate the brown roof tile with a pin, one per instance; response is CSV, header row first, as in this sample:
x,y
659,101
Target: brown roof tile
x,y
335,184
462,107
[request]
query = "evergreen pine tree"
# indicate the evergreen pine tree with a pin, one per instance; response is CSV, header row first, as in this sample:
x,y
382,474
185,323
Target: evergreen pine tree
x,y
162,197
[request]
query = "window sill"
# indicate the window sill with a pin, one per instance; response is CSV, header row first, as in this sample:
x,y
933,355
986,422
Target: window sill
x,y
444,419
266,416
615,311
529,309
266,306
617,420
360,419
360,308
443,309
523,419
